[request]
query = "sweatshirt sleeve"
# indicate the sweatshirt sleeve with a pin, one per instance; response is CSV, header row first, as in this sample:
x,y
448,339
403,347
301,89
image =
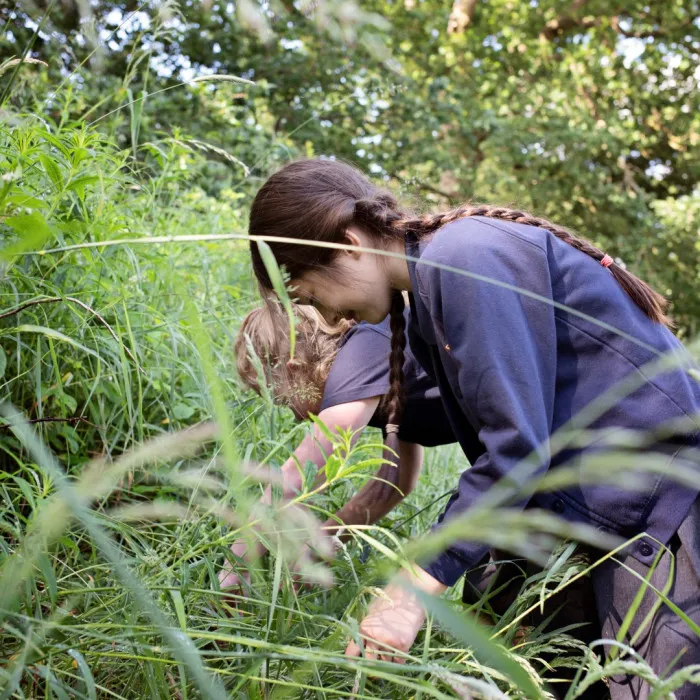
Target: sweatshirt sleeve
x,y
501,347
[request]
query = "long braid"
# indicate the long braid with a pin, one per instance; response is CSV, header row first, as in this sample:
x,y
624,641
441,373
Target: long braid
x,y
393,401
647,299
392,405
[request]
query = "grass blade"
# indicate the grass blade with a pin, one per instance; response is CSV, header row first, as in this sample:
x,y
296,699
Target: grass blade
x,y
475,636
88,680
280,288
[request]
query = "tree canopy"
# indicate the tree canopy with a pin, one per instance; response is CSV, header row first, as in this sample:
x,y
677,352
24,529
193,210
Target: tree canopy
x,y
580,111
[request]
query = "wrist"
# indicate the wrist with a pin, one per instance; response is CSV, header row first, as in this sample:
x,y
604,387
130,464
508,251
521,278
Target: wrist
x,y
291,481
422,580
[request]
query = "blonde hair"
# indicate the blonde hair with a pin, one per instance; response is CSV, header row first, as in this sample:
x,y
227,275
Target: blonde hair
x,y
265,332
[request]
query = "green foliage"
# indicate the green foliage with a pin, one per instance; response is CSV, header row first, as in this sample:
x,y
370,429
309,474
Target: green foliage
x,y
113,526
582,112
675,249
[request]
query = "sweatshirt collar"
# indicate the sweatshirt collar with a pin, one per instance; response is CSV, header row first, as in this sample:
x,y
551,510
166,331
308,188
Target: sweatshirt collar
x,y
419,311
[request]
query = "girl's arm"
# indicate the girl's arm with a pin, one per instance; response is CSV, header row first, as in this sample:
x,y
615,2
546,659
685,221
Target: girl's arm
x,y
314,448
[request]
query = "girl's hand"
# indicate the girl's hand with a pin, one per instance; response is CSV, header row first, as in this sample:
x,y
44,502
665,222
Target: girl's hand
x,y
228,578
395,618
390,626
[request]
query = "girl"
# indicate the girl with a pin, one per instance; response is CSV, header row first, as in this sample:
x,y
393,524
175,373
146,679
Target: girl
x,y
336,366
519,346
341,373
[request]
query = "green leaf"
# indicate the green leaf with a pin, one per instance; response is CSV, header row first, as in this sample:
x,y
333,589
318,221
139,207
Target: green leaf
x,y
89,688
79,154
280,288
332,437
67,401
68,543
22,199
179,606
333,464
26,488
276,583
56,143
632,610
52,170
56,687
49,577
136,108
50,333
3,363
221,411
33,230
182,411
309,472
79,183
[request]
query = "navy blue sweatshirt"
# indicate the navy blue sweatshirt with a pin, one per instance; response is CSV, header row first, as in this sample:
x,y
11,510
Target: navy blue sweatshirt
x,y
361,371
513,368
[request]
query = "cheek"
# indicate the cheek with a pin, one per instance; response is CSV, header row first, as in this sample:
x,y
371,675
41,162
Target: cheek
x,y
372,279
335,293
349,286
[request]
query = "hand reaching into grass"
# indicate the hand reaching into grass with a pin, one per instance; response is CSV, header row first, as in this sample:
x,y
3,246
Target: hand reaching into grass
x,y
230,579
376,498
395,618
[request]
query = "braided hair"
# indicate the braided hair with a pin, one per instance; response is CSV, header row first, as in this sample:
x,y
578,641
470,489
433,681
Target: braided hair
x,y
319,199
647,299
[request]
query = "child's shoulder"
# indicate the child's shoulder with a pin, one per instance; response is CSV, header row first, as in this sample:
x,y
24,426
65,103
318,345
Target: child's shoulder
x,y
367,333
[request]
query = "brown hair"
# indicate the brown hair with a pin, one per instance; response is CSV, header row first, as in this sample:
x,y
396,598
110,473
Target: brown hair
x,y
265,332
317,200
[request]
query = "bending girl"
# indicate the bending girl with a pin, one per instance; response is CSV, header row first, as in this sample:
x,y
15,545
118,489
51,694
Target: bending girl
x,y
515,360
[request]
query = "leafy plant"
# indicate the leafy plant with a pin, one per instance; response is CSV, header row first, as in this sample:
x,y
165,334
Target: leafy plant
x,y
122,194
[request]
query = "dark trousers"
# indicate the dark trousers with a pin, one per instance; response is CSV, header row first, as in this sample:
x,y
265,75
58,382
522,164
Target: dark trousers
x,y
496,585
666,643
600,602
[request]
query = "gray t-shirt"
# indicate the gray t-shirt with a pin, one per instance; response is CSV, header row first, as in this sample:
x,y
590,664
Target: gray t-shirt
x,y
361,371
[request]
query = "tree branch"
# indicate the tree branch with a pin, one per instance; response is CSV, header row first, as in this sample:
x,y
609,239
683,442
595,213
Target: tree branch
x,y
567,21
646,33
449,196
72,419
461,16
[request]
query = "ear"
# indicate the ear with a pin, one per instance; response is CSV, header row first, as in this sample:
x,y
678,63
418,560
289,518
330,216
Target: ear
x,y
351,238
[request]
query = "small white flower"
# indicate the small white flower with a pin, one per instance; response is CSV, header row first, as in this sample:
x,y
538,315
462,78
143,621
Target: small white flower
x,y
12,175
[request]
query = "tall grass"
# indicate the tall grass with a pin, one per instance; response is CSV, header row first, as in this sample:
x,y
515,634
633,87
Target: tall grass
x,y
116,515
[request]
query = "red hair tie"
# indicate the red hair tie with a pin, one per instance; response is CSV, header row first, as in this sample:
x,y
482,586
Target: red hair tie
x,y
607,261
